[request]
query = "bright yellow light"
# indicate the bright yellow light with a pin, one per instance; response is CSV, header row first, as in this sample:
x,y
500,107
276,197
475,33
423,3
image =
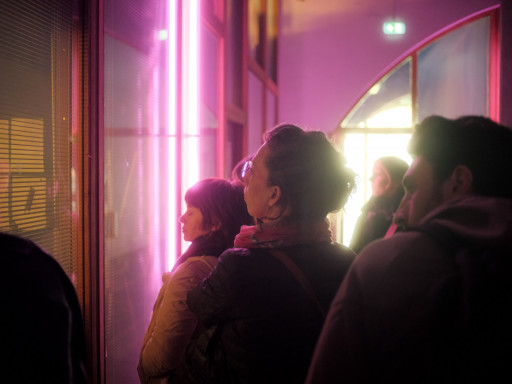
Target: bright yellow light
x,y
361,151
396,117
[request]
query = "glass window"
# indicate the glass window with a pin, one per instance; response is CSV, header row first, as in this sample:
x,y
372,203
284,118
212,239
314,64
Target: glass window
x,y
271,42
255,113
208,113
136,188
256,30
37,146
452,79
234,145
271,110
388,104
234,52
453,73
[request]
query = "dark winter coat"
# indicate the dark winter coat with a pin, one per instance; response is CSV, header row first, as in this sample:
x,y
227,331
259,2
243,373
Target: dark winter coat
x,y
42,338
429,305
374,221
262,324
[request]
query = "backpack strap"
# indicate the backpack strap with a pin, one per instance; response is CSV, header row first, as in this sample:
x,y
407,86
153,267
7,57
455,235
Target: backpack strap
x,y
299,276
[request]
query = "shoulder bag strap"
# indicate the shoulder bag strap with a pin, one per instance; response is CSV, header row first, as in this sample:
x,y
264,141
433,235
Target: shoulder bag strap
x,y
297,273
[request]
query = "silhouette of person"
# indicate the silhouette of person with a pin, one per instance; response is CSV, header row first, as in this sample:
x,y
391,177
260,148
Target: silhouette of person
x,y
433,303
42,338
387,192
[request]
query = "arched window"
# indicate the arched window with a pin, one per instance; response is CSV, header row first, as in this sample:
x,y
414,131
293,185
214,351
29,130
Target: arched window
x,y
453,73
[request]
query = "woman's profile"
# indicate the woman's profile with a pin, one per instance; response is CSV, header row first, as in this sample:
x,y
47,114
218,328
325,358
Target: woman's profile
x,y
215,212
387,192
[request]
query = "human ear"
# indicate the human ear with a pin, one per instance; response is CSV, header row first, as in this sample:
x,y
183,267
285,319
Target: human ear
x,y
275,195
461,181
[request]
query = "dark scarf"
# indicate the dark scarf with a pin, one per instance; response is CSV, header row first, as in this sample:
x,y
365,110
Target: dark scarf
x,y
279,235
211,244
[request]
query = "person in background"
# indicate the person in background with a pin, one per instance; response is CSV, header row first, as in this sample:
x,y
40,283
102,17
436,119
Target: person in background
x,y
215,212
264,303
42,333
387,192
433,303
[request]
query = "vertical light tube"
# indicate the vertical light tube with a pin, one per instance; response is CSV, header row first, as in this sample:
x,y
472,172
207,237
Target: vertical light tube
x,y
190,92
172,85
155,170
190,98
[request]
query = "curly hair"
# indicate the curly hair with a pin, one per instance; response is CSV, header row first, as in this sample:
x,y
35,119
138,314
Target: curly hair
x,y
310,172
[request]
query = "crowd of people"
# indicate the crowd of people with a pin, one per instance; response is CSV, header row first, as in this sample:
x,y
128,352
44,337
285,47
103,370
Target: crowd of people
x,y
264,294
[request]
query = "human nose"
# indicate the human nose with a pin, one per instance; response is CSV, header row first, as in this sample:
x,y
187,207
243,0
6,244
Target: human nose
x,y
181,219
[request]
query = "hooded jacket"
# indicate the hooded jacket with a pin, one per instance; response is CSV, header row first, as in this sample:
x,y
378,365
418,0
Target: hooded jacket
x,y
432,304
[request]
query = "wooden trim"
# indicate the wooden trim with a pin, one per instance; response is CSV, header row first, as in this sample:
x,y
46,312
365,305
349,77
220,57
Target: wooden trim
x,y
94,259
236,114
213,22
257,69
414,88
221,101
245,75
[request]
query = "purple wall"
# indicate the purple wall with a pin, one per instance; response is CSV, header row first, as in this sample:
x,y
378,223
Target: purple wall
x,y
331,51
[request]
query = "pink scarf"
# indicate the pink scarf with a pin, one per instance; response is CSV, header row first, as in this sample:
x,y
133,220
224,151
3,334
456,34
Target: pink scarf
x,y
278,235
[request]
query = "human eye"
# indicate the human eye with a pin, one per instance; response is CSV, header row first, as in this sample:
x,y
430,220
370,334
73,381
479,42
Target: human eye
x,y
409,188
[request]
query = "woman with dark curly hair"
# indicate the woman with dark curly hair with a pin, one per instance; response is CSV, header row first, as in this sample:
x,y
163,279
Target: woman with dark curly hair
x,y
263,305
215,212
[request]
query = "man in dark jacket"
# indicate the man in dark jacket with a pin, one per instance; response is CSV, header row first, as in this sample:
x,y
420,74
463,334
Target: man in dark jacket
x,y
433,303
42,336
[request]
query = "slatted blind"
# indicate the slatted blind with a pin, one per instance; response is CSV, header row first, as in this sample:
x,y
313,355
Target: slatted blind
x,y
36,149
